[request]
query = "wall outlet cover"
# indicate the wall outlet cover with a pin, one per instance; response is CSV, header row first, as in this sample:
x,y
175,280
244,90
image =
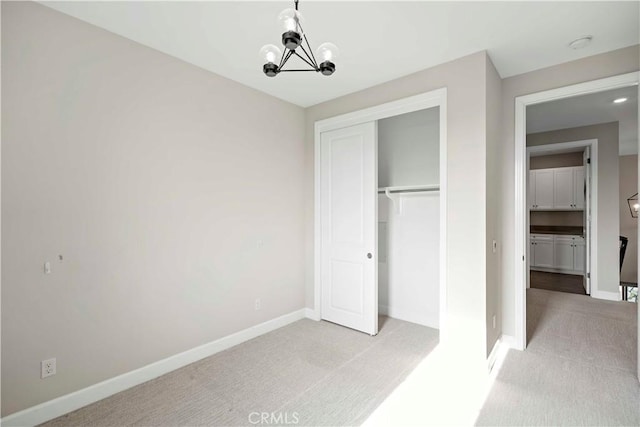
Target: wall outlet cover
x,y
47,368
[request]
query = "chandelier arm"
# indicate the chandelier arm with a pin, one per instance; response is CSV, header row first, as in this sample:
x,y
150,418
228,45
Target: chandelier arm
x,y
288,71
284,59
311,55
304,59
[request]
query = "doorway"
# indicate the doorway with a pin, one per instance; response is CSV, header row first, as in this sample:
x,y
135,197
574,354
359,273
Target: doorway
x,y
561,194
521,217
347,291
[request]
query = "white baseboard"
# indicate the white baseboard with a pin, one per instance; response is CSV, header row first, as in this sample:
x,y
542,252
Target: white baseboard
x,y
606,295
491,360
408,316
54,408
310,313
496,357
509,341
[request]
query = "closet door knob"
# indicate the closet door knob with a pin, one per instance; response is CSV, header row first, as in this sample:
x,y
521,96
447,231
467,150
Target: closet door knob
x,y
369,255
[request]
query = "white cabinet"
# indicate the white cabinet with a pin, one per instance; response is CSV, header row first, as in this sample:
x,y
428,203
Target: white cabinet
x,y
560,253
541,189
579,254
556,189
541,251
578,187
563,253
563,188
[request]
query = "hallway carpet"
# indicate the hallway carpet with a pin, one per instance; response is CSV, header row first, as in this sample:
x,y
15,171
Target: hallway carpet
x,y
579,367
307,373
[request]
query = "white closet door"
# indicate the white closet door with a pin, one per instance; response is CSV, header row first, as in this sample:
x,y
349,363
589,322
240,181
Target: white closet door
x,y
348,223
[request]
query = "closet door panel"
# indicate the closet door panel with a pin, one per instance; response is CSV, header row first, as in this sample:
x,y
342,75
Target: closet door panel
x,y
349,227
414,254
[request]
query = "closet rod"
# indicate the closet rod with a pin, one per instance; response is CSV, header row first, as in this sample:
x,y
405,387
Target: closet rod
x,y
413,190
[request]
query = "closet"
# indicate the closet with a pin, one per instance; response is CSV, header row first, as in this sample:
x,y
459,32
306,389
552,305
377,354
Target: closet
x,y
408,217
378,220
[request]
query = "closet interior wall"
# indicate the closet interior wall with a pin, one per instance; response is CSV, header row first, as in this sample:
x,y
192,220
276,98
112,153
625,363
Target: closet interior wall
x,y
408,235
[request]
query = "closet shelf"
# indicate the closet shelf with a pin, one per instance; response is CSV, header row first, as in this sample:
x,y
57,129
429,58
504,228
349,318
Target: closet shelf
x,y
394,193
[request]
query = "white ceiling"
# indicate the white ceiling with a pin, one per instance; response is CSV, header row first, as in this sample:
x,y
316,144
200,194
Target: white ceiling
x,y
379,41
588,110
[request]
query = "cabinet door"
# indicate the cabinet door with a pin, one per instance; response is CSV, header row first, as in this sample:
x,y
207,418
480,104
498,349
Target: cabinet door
x,y
544,188
531,194
579,255
564,188
532,249
578,187
563,257
543,253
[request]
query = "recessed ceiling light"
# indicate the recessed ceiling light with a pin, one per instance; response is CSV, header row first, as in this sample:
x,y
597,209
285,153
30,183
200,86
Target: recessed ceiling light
x,y
580,42
619,100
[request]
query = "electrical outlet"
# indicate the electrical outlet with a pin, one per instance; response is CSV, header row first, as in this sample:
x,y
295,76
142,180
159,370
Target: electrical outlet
x,y
47,267
257,304
494,321
47,368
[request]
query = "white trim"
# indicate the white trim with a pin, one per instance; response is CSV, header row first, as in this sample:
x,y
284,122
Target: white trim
x,y
606,295
521,103
491,360
509,341
434,98
389,109
310,313
62,405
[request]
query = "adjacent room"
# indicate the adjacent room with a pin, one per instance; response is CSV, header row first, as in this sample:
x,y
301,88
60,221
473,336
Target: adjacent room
x,y
578,146
235,213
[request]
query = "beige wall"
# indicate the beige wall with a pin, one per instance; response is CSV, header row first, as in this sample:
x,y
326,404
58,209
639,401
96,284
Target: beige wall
x,y
629,225
155,180
556,160
494,190
608,225
594,67
466,83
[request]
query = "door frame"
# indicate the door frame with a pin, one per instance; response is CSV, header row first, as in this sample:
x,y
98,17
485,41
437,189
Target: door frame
x,y
593,237
520,233
431,99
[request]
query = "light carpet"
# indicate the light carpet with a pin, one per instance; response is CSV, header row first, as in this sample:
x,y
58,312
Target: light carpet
x,y
307,373
579,367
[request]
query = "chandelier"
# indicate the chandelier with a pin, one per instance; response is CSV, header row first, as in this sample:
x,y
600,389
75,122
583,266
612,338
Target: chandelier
x,y
634,206
294,41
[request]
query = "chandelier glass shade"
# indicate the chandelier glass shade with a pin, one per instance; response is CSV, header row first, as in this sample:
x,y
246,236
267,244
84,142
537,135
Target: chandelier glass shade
x,y
295,43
